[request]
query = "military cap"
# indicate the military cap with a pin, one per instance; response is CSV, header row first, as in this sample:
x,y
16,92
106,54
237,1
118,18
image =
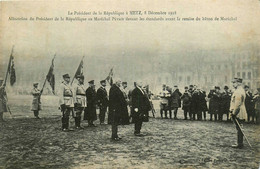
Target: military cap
x,y
186,87
246,86
217,87
102,81
91,82
124,83
80,76
66,75
35,83
191,85
226,87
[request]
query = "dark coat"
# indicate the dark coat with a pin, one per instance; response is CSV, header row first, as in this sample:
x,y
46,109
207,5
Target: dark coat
x,y
249,103
141,102
225,102
117,104
186,101
175,99
102,98
214,102
91,112
198,101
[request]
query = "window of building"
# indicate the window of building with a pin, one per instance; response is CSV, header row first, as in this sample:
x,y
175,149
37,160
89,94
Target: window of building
x,y
226,79
249,84
249,75
180,78
244,75
188,79
238,74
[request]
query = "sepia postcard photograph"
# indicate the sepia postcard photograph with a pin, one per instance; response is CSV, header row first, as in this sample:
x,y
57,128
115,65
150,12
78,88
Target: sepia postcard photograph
x,y
148,84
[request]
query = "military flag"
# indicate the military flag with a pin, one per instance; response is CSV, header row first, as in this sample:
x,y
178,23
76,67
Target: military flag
x,y
109,78
11,70
51,77
79,70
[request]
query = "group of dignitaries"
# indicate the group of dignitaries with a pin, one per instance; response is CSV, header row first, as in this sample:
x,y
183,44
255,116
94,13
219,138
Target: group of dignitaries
x,y
77,101
194,103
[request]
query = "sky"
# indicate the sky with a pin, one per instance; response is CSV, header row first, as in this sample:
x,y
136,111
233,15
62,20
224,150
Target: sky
x,y
137,45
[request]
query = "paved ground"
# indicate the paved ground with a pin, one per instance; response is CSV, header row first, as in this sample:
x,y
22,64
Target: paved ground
x,y
29,143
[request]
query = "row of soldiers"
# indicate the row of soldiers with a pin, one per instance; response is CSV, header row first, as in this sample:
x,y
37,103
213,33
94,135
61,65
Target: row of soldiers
x,y
78,100
194,102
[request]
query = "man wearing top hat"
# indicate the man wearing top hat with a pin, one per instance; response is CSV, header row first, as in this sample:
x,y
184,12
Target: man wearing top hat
x,y
237,109
225,101
36,103
66,101
102,101
3,107
80,102
90,111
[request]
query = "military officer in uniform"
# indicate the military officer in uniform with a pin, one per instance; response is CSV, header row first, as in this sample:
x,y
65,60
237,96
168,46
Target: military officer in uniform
x,y
36,103
237,109
116,105
186,101
66,101
164,95
91,94
102,101
80,101
3,107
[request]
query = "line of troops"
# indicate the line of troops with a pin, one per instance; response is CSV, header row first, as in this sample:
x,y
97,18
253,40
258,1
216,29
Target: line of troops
x,y
194,103
77,100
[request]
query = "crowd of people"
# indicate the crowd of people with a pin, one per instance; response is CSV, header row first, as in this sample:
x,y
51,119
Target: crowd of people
x,y
196,103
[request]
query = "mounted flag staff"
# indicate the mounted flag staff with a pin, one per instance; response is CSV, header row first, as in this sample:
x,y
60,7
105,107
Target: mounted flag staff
x,y
79,71
50,77
11,71
109,78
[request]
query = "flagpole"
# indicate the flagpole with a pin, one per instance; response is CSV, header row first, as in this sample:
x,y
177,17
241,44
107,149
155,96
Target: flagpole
x,y
6,75
8,67
76,70
46,76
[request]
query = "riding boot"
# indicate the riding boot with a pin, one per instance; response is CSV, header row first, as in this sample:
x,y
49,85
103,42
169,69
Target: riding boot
x,y
165,113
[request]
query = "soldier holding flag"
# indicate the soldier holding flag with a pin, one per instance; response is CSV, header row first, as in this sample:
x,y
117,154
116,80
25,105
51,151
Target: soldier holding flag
x,y
3,107
36,103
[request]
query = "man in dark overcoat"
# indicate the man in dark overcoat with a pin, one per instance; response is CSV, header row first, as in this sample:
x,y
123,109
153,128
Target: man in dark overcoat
x,y
140,106
117,103
102,101
90,111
